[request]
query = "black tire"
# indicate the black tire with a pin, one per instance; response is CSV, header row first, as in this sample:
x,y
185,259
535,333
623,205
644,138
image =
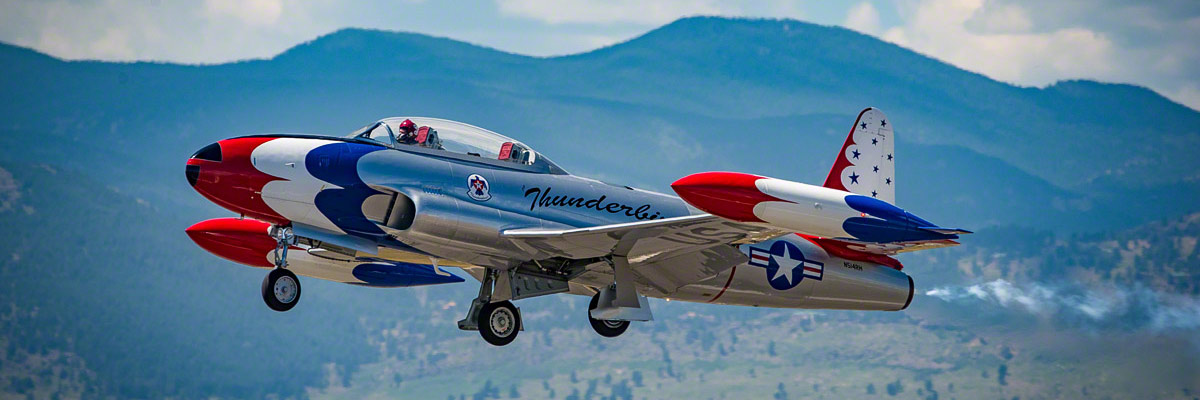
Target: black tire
x,y
499,322
605,328
283,299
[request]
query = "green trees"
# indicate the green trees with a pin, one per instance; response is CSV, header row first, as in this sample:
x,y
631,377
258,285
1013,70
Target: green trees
x,y
895,388
780,393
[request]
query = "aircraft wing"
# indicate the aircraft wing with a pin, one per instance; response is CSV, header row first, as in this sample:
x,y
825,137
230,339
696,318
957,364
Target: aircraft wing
x,y
666,253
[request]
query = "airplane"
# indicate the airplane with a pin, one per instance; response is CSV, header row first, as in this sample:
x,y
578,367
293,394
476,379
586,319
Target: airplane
x,y
403,201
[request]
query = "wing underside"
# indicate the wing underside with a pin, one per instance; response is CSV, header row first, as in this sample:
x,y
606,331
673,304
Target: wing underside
x,y
665,254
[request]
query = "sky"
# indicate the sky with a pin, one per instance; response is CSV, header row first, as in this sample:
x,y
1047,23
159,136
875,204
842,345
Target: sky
x,y
1025,42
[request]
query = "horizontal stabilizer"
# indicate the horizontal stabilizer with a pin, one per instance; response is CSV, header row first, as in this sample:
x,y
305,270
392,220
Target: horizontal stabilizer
x,y
893,248
945,231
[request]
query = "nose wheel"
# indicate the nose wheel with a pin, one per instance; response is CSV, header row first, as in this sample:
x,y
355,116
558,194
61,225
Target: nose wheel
x,y
281,289
606,328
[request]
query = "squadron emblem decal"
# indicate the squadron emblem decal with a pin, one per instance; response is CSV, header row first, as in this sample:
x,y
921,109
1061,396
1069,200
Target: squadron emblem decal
x,y
478,188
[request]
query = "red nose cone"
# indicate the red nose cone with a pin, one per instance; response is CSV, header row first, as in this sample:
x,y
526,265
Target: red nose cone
x,y
243,241
230,179
726,194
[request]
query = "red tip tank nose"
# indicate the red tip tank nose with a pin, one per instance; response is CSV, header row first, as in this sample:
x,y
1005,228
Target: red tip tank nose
x,y
730,195
244,241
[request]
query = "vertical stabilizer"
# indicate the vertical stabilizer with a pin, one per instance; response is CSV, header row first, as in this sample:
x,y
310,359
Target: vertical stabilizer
x,y
866,164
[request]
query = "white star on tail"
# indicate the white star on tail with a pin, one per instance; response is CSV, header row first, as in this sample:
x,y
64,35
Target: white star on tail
x,y
787,263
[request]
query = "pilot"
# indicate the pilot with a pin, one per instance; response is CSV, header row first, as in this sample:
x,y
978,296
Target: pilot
x,y
408,132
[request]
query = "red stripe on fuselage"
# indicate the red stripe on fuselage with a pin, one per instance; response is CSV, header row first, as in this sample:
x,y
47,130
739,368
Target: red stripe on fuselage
x,y
727,282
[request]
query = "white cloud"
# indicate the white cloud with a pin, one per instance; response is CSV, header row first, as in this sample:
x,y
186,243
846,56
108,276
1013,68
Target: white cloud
x,y
591,11
863,17
1188,94
184,31
940,28
249,12
1036,44
1004,18
640,12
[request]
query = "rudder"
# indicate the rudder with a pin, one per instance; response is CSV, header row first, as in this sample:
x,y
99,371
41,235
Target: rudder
x,y
866,163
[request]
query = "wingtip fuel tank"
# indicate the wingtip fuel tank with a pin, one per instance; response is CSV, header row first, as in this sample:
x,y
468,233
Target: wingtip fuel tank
x,y
249,242
804,208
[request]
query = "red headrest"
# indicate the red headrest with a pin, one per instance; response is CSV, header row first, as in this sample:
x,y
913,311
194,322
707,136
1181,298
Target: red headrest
x,y
422,134
505,150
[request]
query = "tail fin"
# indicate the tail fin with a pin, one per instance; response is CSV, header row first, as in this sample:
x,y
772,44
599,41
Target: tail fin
x,y
866,164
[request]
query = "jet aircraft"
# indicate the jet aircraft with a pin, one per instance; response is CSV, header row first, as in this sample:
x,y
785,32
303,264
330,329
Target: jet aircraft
x,y
405,201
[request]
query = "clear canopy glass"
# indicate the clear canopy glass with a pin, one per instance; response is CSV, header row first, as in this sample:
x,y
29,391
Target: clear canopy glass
x,y
451,136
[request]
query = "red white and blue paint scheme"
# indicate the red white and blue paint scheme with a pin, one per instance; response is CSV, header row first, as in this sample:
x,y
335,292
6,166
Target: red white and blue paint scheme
x,y
406,201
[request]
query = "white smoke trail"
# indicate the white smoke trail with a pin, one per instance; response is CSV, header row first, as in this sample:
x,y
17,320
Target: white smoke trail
x,y
1140,306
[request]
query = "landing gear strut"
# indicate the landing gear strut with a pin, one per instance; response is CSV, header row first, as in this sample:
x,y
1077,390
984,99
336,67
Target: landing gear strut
x,y
281,288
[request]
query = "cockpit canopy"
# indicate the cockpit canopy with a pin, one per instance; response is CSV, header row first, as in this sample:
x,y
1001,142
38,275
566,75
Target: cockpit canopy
x,y
455,137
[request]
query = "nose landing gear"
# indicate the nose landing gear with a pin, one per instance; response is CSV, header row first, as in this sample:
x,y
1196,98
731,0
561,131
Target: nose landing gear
x,y
281,287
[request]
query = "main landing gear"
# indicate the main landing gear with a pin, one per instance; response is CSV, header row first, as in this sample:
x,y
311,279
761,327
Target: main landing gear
x,y
606,328
610,311
281,288
497,321
614,306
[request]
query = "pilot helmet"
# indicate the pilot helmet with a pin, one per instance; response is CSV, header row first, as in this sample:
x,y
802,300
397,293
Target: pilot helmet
x,y
408,126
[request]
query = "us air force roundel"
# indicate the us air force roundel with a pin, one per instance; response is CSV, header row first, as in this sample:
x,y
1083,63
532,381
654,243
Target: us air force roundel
x,y
785,265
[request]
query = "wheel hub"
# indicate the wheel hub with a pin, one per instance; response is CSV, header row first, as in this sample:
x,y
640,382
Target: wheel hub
x,y
285,289
501,322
